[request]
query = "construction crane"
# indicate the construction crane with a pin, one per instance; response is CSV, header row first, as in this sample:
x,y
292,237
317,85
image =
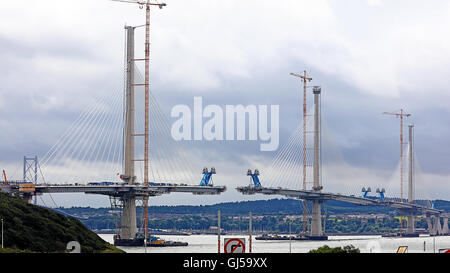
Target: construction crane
x,y
4,175
400,115
304,78
147,5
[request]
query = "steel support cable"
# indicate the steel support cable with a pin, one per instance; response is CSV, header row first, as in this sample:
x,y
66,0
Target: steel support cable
x,y
60,158
178,154
62,142
119,141
51,197
91,131
109,143
84,147
293,171
103,124
159,139
100,143
153,157
153,168
419,179
274,172
94,129
68,152
67,133
162,137
285,162
117,145
112,143
285,158
153,165
279,156
282,154
71,130
43,179
104,136
70,149
156,156
93,138
178,149
293,168
42,200
162,157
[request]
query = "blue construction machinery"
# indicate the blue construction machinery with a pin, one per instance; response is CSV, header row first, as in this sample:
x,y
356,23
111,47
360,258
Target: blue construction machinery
x,y
380,192
207,177
254,177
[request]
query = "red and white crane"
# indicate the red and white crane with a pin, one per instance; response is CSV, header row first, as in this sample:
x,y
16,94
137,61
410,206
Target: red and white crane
x,y
147,5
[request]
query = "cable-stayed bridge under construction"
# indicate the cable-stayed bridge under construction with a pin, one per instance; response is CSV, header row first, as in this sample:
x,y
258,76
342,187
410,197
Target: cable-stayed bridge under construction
x,y
91,147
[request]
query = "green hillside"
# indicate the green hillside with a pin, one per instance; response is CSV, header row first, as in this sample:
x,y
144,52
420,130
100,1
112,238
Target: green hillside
x,y
29,228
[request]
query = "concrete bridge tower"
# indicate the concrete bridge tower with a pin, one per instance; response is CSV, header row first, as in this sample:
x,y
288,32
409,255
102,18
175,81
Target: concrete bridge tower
x,y
410,227
316,217
128,222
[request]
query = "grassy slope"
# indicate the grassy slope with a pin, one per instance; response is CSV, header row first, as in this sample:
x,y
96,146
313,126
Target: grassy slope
x,y
35,229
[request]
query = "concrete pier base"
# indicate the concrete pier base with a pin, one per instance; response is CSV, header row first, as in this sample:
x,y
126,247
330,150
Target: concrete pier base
x,y
316,220
410,227
128,228
445,226
437,225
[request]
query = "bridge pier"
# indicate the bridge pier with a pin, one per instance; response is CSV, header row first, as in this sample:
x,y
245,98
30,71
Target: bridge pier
x,y
431,230
445,226
410,227
316,220
437,224
434,225
128,221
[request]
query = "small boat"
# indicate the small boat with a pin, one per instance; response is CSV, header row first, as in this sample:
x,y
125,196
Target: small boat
x,y
152,241
157,242
400,235
298,237
267,237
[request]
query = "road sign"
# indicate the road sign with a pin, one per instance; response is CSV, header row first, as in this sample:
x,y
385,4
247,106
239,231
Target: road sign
x,y
402,249
234,245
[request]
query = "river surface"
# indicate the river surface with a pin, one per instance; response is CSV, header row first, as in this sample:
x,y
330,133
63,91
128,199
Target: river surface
x,y
366,244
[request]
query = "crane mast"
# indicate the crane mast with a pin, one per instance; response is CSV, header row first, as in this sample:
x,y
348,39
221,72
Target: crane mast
x,y
147,5
400,115
304,78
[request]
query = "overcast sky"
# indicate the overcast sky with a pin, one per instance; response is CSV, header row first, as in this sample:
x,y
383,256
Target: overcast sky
x,y
58,56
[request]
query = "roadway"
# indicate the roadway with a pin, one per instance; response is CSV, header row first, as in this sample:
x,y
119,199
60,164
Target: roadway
x,y
317,195
120,189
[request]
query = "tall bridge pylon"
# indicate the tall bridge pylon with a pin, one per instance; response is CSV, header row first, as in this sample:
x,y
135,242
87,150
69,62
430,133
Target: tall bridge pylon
x,y
284,171
128,223
317,231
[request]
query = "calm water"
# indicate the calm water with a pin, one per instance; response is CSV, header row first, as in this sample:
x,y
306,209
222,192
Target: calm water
x,y
367,244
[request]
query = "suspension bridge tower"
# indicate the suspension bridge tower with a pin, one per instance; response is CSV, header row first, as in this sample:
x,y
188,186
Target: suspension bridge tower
x,y
128,222
410,225
317,232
